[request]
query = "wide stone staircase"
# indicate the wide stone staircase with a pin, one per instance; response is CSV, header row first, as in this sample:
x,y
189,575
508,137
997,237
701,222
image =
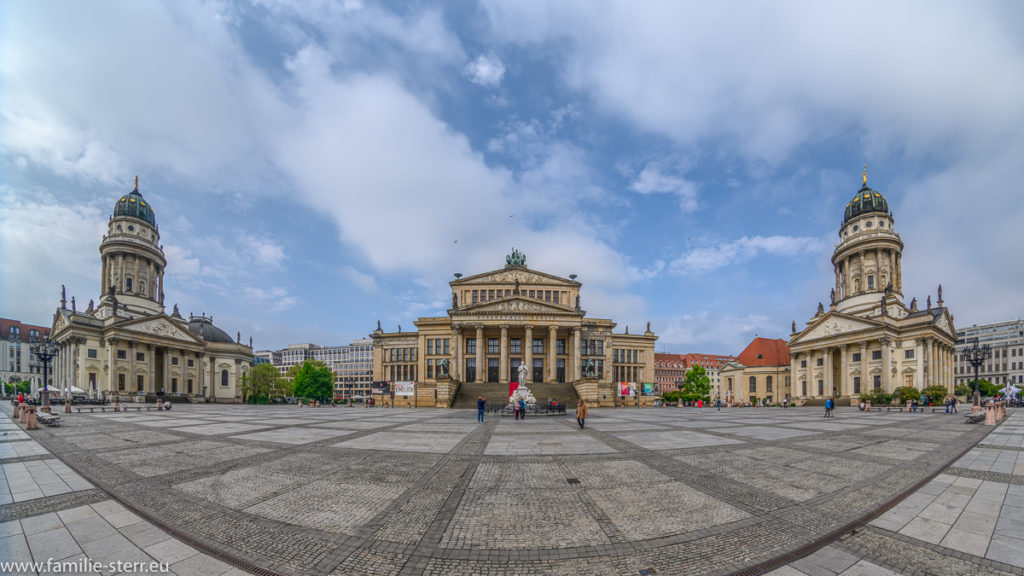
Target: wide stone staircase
x,y
495,393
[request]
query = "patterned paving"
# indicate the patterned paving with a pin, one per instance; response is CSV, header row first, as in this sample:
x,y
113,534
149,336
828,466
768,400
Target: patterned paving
x,y
398,491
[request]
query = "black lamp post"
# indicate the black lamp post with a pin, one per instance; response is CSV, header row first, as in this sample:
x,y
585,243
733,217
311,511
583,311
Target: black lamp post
x,y
976,355
45,350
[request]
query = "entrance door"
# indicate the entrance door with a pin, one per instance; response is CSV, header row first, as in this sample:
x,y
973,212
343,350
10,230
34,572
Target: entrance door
x,y
492,369
470,369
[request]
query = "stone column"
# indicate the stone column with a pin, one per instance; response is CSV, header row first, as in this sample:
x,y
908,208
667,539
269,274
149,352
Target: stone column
x,y
481,348
919,354
899,272
104,278
811,386
182,389
839,288
74,364
795,379
550,368
886,366
844,373
866,383
214,382
503,362
130,385
931,362
574,357
454,366
827,372
528,352
112,363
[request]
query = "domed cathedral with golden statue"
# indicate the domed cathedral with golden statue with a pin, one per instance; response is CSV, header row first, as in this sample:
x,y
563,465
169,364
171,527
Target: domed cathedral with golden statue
x,y
868,338
514,325
124,345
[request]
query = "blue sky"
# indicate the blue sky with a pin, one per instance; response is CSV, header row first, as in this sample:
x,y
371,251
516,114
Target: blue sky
x,y
318,166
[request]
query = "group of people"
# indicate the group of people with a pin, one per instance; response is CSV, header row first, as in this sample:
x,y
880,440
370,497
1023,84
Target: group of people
x,y
519,410
950,402
830,404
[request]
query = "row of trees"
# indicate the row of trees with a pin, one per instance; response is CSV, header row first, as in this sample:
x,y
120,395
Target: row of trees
x,y
935,394
310,380
14,388
696,386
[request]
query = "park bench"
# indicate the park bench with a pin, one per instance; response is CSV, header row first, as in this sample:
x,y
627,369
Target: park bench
x,y
975,418
48,419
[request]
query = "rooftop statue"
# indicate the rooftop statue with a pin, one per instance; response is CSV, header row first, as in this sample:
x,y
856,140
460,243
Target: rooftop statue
x,y
516,258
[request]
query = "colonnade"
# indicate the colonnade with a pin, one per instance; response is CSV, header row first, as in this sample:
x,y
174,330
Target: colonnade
x,y
480,333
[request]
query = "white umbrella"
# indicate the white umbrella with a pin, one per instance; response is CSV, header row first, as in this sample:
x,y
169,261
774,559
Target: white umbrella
x,y
1009,389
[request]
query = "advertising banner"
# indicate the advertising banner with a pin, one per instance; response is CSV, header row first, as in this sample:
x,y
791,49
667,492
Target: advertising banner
x,y
627,389
405,388
649,389
512,387
381,388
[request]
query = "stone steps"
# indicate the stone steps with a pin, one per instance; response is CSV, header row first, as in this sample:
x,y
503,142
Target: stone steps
x,y
494,392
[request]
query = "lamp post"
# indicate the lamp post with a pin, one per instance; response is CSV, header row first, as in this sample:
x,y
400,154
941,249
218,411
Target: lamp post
x,y
45,350
976,355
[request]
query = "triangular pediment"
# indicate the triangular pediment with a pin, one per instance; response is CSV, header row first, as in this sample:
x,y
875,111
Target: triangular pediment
x,y
60,321
513,305
161,326
833,324
510,275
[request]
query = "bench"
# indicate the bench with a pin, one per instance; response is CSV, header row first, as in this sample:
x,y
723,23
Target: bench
x,y
975,418
48,419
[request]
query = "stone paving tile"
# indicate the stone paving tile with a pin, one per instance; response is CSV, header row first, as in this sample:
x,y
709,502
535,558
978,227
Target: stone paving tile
x,y
404,442
221,428
294,435
23,481
645,511
23,449
544,444
674,440
767,432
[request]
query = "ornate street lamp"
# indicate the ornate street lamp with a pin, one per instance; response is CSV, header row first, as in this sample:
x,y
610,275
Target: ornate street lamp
x,y
45,350
977,355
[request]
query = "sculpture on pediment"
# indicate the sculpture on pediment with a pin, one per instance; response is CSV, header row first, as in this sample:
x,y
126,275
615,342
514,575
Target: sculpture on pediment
x,y
515,290
455,301
884,311
793,330
250,341
63,297
929,301
73,309
90,308
940,292
113,302
238,339
378,325
821,309
516,258
888,288
176,313
832,297
913,303
577,302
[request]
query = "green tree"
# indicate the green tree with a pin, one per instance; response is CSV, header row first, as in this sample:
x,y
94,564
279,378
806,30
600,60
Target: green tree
x,y
963,390
906,394
262,384
312,381
985,387
697,384
935,393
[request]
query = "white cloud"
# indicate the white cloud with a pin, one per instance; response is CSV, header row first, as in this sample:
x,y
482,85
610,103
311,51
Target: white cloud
x,y
486,70
653,180
708,259
364,282
273,299
712,333
264,251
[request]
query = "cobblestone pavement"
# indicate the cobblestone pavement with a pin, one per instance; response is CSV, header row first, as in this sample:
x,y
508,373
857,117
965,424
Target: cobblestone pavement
x,y
338,491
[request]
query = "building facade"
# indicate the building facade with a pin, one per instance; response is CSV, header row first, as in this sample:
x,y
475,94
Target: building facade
x,y
508,318
351,365
761,373
670,370
1005,365
126,346
868,338
17,363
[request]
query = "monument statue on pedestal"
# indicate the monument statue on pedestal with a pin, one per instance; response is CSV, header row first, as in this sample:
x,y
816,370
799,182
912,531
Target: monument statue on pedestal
x,y
523,372
442,368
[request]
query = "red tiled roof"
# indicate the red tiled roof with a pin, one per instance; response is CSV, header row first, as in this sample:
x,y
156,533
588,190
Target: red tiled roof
x,y
6,324
765,352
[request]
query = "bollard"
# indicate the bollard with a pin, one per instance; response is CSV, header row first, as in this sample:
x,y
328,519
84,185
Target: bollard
x,y
17,411
990,414
30,420
23,416
117,406
67,406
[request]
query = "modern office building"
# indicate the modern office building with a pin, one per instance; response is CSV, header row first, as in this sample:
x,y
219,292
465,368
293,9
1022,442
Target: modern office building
x,y
351,365
868,338
1005,363
17,363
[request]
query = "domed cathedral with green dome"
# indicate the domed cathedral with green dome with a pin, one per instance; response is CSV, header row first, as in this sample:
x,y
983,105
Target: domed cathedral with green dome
x,y
867,337
123,345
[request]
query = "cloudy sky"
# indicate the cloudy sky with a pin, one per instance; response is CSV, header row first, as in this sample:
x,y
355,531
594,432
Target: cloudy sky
x,y
318,166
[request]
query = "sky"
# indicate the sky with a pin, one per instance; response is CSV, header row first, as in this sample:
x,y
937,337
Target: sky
x,y
318,166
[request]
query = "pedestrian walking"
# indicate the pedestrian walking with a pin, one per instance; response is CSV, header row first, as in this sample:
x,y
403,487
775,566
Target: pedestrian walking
x,y
481,405
581,413
515,409
828,408
946,402
952,404
718,404
522,409
700,406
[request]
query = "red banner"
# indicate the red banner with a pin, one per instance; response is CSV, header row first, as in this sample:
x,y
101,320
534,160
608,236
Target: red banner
x,y
512,387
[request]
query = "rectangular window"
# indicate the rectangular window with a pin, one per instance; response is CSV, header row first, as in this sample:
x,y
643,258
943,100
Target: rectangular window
x,y
821,361
470,345
430,367
515,346
856,384
803,363
554,297
191,362
878,381
490,294
876,354
560,346
476,296
753,385
92,353
538,346
120,382
600,347
140,356
122,354
907,354
493,346
821,387
447,341
508,293
140,383
871,282
189,385
430,346
174,361
547,295
856,356
174,385
532,294
768,384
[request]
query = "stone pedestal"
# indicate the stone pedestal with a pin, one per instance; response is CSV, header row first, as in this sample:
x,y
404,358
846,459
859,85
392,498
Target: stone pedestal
x,y
67,406
22,415
588,390
990,414
976,408
30,418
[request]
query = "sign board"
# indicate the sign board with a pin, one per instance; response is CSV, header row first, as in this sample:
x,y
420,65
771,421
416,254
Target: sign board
x,y
627,389
380,388
649,389
405,388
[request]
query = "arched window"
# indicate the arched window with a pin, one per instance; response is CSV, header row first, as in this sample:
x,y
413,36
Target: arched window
x,y
223,377
768,383
128,284
753,384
